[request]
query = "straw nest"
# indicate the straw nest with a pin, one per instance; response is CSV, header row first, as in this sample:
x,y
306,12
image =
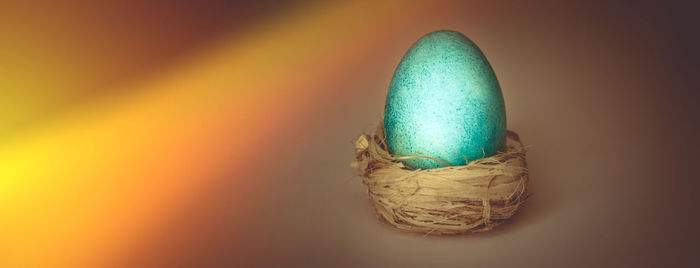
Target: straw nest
x,y
475,197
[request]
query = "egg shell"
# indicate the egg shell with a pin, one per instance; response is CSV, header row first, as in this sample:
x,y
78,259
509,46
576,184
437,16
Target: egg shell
x,y
444,101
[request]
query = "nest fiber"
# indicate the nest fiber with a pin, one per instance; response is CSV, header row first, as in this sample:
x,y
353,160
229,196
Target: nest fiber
x,y
475,197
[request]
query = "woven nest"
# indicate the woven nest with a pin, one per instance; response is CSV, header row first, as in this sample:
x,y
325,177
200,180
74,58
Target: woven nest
x,y
475,197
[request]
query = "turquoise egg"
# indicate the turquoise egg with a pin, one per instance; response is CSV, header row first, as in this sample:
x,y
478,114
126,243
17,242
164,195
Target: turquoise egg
x,y
444,101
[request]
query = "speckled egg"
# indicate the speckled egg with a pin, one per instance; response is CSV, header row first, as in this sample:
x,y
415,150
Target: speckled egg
x,y
444,101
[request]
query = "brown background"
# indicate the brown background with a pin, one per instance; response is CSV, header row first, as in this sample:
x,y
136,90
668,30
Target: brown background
x,y
603,93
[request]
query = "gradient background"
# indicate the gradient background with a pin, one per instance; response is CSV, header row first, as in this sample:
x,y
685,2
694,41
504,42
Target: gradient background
x,y
218,134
